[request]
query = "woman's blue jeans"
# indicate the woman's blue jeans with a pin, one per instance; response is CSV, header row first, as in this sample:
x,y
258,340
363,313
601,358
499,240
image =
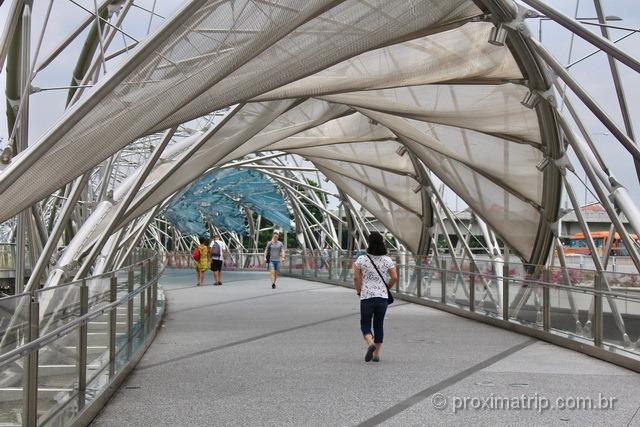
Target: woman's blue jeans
x,y
373,309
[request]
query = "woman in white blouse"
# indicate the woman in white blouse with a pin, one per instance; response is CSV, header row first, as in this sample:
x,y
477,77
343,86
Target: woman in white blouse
x,y
373,292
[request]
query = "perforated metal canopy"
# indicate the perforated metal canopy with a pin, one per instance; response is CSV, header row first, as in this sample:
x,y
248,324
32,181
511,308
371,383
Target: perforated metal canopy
x,y
375,94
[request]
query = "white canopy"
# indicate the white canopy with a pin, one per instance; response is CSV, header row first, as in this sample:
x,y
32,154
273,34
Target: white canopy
x,y
344,84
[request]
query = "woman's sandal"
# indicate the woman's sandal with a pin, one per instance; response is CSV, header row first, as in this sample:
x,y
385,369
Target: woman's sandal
x,y
375,359
369,355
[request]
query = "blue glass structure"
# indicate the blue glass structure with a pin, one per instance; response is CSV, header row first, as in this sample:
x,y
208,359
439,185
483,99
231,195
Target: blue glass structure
x,y
219,197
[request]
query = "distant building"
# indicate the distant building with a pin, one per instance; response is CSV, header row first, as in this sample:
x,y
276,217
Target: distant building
x,y
594,214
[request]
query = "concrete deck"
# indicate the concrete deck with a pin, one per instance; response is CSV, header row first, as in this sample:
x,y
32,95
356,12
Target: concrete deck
x,y
244,354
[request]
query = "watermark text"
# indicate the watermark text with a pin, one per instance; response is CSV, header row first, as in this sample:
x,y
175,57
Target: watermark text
x,y
524,402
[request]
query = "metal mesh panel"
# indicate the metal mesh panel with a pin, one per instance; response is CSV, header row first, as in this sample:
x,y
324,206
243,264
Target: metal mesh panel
x,y
187,62
310,113
476,137
374,153
514,220
395,187
405,225
344,31
255,126
510,164
352,128
461,53
485,108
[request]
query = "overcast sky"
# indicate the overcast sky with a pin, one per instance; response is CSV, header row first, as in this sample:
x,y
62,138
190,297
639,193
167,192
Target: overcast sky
x,y
593,73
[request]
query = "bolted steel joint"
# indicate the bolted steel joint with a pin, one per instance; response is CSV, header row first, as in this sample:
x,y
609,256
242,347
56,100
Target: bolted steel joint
x,y
7,155
401,150
498,35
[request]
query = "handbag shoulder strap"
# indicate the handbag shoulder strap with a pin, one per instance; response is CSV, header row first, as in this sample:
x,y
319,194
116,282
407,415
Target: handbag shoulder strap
x,y
379,274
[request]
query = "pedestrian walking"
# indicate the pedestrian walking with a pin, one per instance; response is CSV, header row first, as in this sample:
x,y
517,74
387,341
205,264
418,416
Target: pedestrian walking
x,y
273,254
370,280
200,257
218,252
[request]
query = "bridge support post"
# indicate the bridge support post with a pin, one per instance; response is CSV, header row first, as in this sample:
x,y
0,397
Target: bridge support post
x,y
443,281
598,323
154,286
546,300
472,287
113,295
149,306
82,345
418,268
141,317
505,291
129,313
30,379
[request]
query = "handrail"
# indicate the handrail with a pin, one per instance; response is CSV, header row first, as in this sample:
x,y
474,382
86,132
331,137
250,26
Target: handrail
x,y
49,337
106,275
580,289
578,309
69,325
512,263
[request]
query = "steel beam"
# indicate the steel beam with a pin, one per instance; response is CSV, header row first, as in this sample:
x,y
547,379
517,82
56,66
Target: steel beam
x,y
52,242
13,18
582,32
587,99
124,204
21,164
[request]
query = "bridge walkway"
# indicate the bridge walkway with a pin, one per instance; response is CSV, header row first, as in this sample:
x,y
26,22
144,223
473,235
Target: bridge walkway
x,y
244,354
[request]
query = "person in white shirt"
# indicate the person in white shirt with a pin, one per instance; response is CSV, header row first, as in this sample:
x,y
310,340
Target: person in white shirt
x,y
373,289
217,252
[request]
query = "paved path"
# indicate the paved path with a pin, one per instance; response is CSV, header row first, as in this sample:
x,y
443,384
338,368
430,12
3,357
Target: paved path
x,y
244,354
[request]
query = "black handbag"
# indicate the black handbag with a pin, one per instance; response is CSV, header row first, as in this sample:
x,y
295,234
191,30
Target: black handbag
x,y
268,257
390,298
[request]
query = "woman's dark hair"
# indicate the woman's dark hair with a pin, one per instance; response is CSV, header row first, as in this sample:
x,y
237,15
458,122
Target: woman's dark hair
x,y
376,244
202,240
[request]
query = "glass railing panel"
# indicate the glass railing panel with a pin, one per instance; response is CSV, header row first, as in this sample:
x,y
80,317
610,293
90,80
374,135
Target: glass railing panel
x,y
296,264
621,326
525,304
14,328
457,286
408,279
58,367
58,306
572,311
347,270
98,327
120,314
14,321
431,283
58,393
323,266
621,319
487,294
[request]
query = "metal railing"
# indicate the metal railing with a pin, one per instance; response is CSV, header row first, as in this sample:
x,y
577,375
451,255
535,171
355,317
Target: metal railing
x,y
233,261
253,260
64,349
595,313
